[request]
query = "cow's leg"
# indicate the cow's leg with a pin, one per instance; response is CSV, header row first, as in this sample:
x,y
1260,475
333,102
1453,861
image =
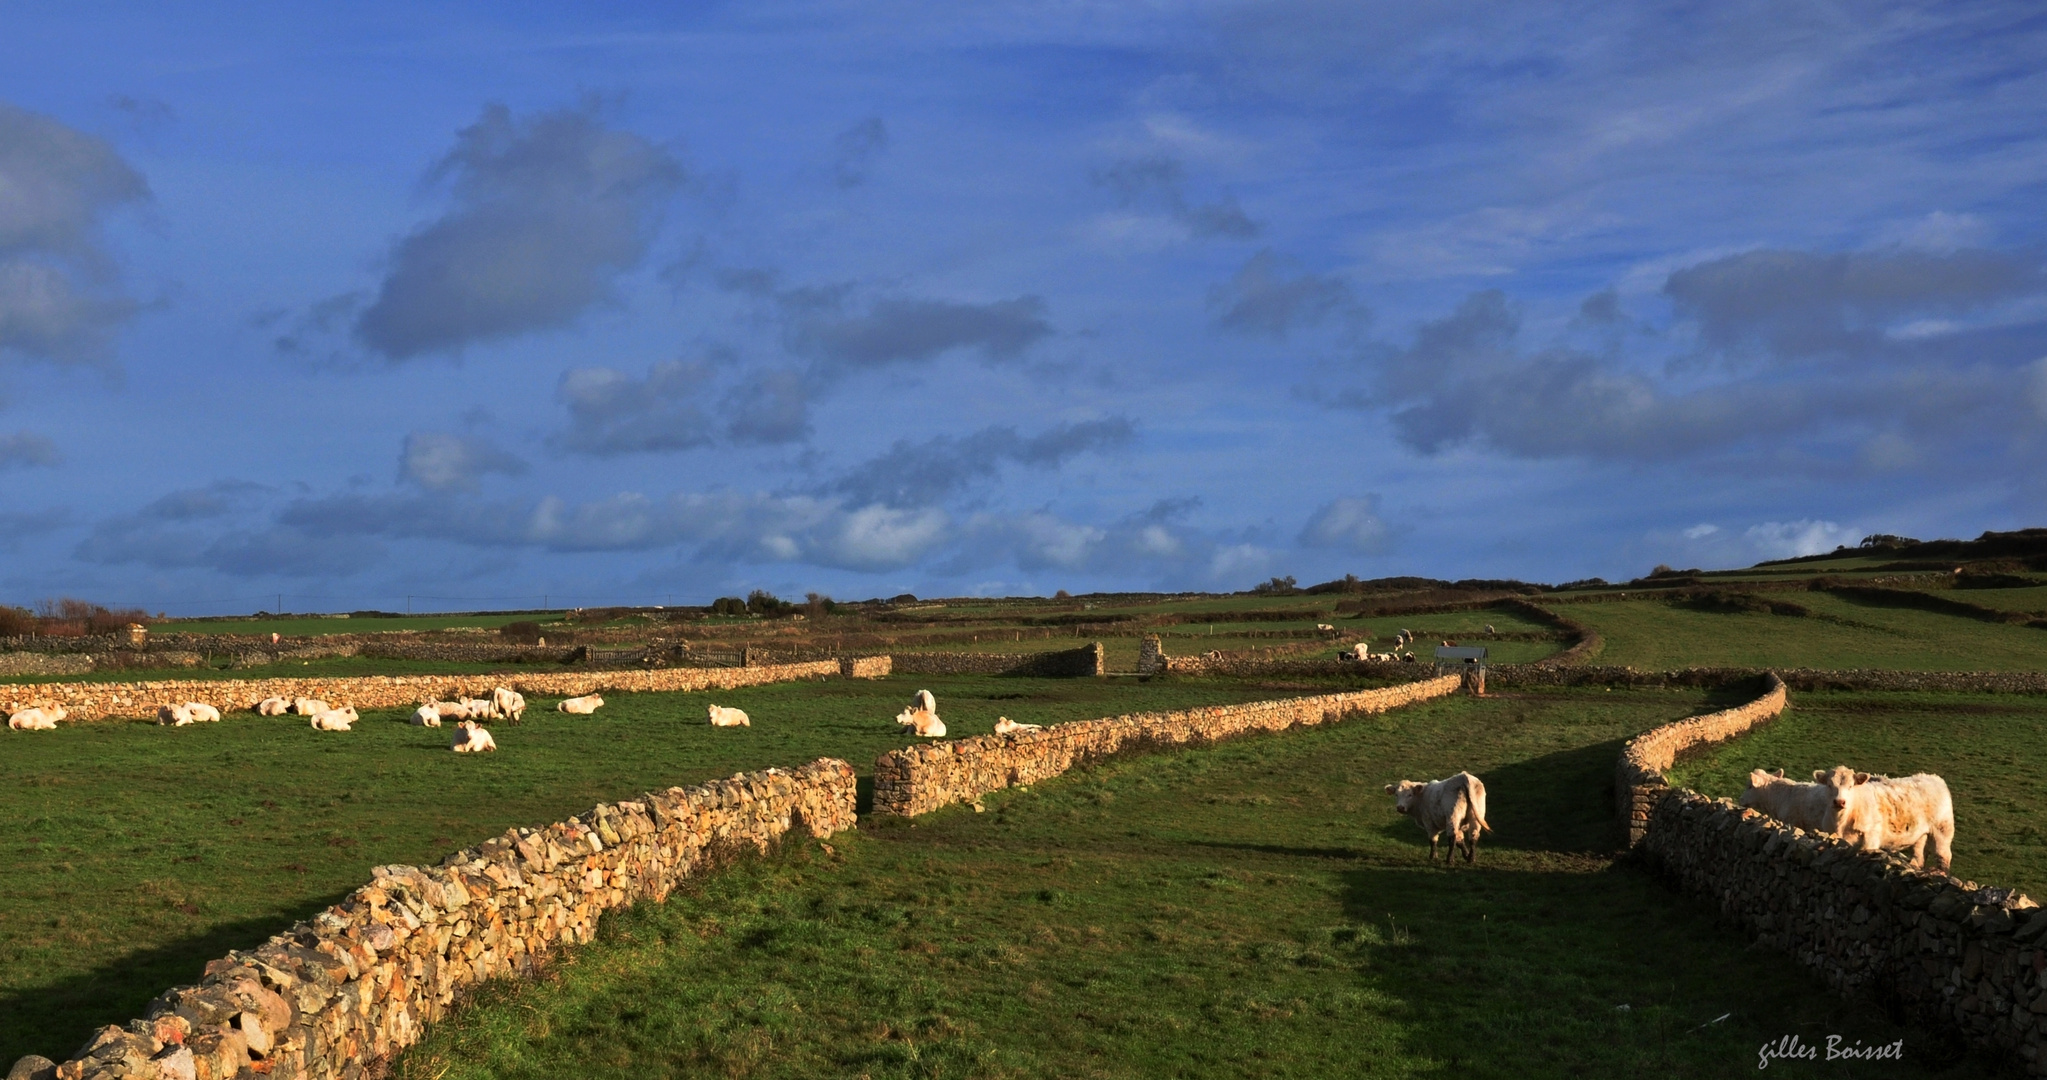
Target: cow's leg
x,y
1471,844
1433,837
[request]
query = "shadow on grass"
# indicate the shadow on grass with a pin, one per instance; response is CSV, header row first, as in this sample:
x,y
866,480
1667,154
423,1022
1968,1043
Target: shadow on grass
x,y
56,1018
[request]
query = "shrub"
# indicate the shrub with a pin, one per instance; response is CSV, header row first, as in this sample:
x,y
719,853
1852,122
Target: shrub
x,y
766,604
728,605
818,605
525,633
16,622
1278,586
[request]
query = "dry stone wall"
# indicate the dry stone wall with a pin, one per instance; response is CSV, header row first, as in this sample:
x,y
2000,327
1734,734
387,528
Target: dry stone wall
x,y
1638,777
1088,660
336,996
115,700
920,779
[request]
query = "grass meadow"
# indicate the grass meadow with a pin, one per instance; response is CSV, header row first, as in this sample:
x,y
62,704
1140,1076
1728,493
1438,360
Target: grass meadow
x,y
1254,909
1841,633
137,853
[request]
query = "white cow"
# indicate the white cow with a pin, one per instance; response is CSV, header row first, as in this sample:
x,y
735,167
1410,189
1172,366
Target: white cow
x,y
471,739
1361,651
1005,726
41,718
273,706
308,706
1325,627
426,716
1456,804
507,704
581,706
202,713
473,707
724,717
1877,813
1802,806
174,715
922,721
334,719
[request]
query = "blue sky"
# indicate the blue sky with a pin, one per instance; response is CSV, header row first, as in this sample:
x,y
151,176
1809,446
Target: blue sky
x,y
615,303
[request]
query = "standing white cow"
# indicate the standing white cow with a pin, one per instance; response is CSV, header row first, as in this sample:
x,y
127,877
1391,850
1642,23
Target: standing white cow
x,y
471,739
581,706
507,704
724,717
1456,805
1802,806
1877,813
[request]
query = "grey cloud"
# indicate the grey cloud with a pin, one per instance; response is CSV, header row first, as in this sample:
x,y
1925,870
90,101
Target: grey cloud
x,y
612,413
547,212
215,500
1156,544
58,296
1790,305
918,474
768,407
1272,295
444,461
17,525
1601,307
855,148
909,330
28,449
1349,525
1160,181
221,528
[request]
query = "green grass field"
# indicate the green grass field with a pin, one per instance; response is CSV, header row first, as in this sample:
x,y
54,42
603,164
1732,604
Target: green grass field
x,y
1653,634
315,626
1986,746
137,853
347,666
1255,909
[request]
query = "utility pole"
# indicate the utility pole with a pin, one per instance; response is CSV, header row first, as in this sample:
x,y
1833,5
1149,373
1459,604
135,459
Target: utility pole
x,y
280,603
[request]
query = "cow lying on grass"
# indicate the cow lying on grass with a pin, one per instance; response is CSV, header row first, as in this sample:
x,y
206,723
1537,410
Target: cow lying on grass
x,y
1005,726
427,715
921,716
724,717
1878,813
341,719
471,739
41,718
581,706
273,706
1456,805
308,706
1802,806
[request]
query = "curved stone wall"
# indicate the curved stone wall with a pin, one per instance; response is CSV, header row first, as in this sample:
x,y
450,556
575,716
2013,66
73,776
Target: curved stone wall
x,y
1638,777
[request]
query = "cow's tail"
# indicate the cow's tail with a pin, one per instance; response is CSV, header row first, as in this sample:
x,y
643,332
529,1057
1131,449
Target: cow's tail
x,y
1474,791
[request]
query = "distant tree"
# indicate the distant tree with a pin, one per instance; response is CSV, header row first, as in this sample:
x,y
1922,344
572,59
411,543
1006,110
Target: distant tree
x,y
1278,586
728,605
764,603
903,598
817,605
1062,595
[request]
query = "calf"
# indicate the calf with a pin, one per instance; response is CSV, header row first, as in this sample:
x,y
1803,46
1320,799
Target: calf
x,y
1802,806
724,717
1456,804
426,716
41,718
273,706
1004,726
471,739
581,706
1877,813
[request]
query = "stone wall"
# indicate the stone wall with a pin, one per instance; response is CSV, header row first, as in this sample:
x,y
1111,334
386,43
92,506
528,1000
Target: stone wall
x,y
866,667
140,700
1978,682
1064,663
920,779
338,995
38,663
1638,777
1950,955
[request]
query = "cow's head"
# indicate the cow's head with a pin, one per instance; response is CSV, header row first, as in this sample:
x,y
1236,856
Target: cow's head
x,y
1404,794
1841,779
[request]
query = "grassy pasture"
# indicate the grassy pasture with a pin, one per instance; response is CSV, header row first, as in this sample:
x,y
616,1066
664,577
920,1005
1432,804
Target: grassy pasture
x,y
344,666
136,853
1845,633
314,626
1254,909
1988,747
2033,599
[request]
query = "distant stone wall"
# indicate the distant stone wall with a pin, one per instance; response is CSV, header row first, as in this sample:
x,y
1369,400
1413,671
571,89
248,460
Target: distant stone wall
x,y
138,700
1980,682
337,996
1064,663
39,663
920,779
1639,782
866,667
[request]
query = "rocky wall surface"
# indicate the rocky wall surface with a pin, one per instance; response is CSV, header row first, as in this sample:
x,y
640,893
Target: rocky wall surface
x,y
1638,777
1982,682
139,700
39,663
1063,663
1951,955
333,998
919,779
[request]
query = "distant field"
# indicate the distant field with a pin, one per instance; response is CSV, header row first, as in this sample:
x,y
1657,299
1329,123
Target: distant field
x,y
1656,635
1990,748
136,853
309,627
2033,599
344,666
1255,909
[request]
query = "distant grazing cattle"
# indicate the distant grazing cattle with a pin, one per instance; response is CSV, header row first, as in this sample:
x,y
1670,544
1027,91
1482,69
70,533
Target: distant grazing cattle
x,y
724,717
426,716
1005,726
471,739
1799,805
1877,813
1325,628
40,718
1456,805
581,706
273,706
507,704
